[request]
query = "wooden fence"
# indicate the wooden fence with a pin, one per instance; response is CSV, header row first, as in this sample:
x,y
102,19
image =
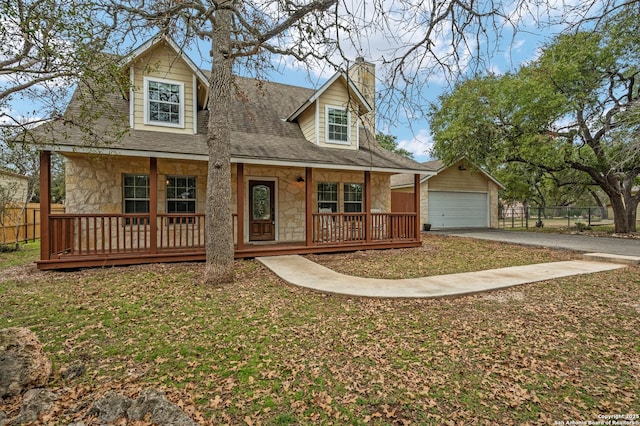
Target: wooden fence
x,y
28,222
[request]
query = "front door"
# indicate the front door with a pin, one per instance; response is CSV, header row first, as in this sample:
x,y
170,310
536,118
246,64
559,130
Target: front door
x,y
262,220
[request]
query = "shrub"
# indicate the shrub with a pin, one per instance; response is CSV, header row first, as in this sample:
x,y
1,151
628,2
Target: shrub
x,y
581,226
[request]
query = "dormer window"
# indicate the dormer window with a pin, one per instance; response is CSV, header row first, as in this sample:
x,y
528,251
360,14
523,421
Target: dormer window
x,y
163,102
337,125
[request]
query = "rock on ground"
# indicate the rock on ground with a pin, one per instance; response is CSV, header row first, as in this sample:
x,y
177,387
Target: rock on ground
x,y
23,364
110,407
163,412
113,406
34,403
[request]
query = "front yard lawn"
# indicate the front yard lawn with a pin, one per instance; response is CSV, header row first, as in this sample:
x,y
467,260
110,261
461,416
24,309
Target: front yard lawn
x,y
263,352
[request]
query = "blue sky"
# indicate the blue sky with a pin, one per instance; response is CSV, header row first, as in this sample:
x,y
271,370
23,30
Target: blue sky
x,y
413,133
502,50
410,126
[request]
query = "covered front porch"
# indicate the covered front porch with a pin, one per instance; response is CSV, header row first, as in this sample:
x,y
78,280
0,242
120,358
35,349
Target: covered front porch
x,y
76,240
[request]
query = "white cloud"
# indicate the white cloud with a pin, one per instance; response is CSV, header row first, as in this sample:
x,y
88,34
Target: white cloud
x,y
419,145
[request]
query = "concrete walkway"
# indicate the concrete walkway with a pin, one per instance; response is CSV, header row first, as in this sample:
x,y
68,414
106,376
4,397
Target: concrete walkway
x,y
299,271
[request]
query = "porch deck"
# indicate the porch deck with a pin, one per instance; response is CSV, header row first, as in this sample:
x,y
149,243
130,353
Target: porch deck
x,y
89,240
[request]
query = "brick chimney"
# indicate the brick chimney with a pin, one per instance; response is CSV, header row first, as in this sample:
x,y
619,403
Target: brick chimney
x,y
363,75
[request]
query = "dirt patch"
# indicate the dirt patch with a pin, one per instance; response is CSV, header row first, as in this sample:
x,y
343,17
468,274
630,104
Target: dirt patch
x,y
504,296
20,273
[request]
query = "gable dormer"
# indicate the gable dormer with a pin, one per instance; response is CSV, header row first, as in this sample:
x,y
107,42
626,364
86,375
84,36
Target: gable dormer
x,y
167,89
333,115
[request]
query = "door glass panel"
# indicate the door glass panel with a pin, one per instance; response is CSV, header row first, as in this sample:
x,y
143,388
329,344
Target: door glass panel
x,y
261,197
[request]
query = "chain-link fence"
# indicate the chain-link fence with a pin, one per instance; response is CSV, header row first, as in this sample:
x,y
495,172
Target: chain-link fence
x,y
553,217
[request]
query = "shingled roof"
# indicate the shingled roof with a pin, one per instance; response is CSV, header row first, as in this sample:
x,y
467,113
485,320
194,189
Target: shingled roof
x,y
436,166
260,134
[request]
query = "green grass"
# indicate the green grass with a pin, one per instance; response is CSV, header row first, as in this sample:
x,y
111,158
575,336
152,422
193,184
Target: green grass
x,y
260,351
27,253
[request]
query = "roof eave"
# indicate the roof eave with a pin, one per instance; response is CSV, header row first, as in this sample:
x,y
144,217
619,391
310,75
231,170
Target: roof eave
x,y
154,41
234,159
325,86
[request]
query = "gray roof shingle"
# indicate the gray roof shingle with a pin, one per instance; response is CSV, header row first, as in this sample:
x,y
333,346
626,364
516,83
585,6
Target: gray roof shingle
x,y
259,132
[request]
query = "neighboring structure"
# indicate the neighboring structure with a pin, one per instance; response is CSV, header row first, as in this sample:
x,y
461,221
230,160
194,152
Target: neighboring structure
x,y
16,185
458,196
14,190
307,174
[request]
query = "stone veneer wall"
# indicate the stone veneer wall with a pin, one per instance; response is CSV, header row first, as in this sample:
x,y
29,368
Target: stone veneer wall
x,y
290,204
290,194
94,183
380,187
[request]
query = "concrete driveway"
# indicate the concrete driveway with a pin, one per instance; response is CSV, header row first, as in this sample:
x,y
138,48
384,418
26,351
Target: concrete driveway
x,y
582,243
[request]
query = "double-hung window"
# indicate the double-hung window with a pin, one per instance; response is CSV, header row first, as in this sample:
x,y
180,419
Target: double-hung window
x,y
352,197
337,125
164,102
328,196
136,195
181,194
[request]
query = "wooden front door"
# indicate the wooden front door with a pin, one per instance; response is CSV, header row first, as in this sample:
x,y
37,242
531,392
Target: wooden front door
x,y
262,219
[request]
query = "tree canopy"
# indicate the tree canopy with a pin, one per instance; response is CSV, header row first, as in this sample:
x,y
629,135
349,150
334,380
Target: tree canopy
x,y
390,143
576,107
48,47
54,40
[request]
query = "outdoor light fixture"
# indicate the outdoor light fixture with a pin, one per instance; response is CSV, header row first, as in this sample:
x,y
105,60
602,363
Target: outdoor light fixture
x,y
462,168
300,179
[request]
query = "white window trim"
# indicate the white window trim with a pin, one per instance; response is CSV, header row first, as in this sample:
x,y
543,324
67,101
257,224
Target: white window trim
x,y
317,126
194,82
132,114
326,125
148,122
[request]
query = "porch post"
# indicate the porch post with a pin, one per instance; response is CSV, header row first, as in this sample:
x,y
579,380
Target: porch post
x,y
308,206
240,204
416,202
367,206
153,204
45,204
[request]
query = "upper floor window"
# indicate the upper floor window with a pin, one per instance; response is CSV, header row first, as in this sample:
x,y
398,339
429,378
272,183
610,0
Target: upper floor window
x,y
163,103
337,125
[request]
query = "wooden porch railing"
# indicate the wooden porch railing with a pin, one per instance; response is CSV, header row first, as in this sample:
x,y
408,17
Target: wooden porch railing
x,y
119,234
350,227
105,234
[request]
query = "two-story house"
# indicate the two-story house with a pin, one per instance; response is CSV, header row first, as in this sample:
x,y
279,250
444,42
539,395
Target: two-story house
x,y
307,175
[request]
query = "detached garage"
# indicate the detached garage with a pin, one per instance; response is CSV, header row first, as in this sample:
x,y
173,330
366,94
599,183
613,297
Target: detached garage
x,y
458,209
458,196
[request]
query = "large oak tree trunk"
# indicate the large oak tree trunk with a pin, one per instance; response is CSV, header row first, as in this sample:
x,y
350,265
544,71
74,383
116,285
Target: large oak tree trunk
x,y
631,204
219,226
620,218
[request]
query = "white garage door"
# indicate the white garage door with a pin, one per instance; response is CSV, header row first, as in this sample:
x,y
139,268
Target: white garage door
x,y
458,209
